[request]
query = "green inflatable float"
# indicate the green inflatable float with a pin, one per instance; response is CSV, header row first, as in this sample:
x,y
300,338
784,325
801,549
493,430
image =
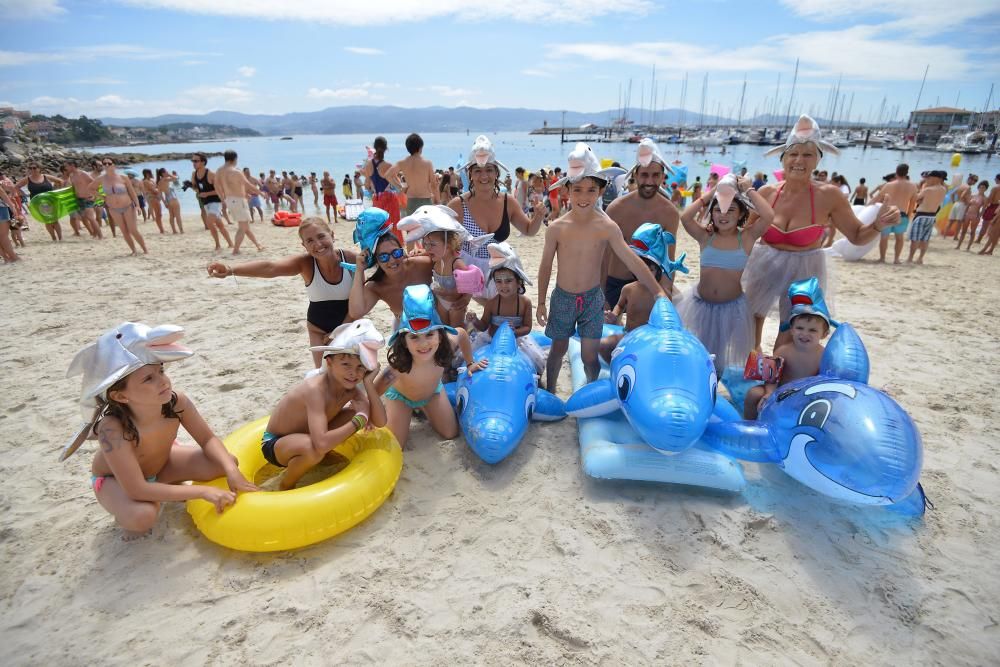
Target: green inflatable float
x,y
48,207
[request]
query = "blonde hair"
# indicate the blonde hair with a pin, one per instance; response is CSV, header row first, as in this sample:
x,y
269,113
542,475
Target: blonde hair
x,y
314,222
451,240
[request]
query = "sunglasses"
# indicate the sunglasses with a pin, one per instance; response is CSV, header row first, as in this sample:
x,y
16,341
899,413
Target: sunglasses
x,y
384,257
108,164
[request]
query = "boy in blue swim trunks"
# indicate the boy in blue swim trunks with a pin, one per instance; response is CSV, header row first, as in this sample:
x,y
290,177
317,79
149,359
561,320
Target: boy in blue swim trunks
x,y
579,240
329,406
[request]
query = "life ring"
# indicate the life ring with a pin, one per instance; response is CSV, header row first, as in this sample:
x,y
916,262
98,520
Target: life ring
x,y
281,520
286,219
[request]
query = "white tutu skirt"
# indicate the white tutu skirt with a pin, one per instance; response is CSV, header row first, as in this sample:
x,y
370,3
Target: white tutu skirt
x,y
725,329
526,344
769,272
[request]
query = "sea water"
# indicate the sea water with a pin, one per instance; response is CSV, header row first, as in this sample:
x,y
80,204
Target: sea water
x,y
342,154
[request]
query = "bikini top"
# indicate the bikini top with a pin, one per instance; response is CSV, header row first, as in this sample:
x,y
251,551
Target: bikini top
x,y
380,184
513,320
118,189
800,238
733,260
501,234
442,282
320,289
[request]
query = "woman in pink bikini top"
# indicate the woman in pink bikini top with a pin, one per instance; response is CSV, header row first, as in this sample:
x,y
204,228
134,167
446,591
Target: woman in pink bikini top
x,y
790,249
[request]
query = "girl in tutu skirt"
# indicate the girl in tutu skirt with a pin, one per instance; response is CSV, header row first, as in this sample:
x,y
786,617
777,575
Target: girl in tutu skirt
x,y
716,310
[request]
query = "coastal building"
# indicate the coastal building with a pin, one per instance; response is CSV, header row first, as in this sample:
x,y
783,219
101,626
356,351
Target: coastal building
x,y
988,121
930,125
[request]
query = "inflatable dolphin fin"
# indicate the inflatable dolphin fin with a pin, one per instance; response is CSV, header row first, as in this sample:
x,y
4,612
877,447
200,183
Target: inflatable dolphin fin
x,y
350,268
594,399
745,440
548,407
504,341
675,265
845,356
914,504
664,315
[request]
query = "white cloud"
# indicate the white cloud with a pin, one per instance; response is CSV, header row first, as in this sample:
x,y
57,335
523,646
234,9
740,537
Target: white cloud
x,y
247,71
673,58
13,10
90,53
338,94
364,50
536,72
403,11
448,91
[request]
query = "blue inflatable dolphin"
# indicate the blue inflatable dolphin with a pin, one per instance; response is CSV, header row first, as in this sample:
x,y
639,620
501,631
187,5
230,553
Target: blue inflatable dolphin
x,y
834,433
495,405
662,379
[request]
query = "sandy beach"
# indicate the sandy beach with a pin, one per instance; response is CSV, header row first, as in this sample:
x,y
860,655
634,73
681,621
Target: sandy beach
x,y
527,561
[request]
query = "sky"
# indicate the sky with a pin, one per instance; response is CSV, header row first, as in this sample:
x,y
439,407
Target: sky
x,y
130,58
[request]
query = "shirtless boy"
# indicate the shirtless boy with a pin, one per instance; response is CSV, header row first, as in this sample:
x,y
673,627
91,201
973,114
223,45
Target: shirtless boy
x,y
962,197
326,409
329,187
211,203
81,180
232,185
645,204
579,240
421,186
929,200
901,193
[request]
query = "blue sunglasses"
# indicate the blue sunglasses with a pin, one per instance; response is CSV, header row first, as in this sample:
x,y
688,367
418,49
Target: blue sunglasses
x,y
384,257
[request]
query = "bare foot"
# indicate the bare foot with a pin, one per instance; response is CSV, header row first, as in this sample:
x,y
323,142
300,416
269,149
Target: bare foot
x,y
882,259
261,248
897,262
236,252
133,535
920,261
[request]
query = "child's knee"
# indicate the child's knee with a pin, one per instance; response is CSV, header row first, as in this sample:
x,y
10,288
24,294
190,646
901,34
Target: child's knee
x,y
140,518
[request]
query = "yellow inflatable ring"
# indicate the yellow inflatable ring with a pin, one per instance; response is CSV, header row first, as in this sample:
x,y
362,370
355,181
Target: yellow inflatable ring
x,y
280,520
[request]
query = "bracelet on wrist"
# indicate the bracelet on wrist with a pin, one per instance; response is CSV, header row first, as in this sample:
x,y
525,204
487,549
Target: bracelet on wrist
x,y
359,422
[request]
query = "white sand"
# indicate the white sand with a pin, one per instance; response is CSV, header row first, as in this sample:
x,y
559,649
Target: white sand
x,y
526,561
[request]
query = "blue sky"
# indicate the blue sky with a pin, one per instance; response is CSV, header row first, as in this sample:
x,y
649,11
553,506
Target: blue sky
x,y
147,57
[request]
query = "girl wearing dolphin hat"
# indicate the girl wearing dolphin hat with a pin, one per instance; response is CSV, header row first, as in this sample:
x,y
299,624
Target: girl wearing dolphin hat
x,y
135,413
485,210
790,248
419,352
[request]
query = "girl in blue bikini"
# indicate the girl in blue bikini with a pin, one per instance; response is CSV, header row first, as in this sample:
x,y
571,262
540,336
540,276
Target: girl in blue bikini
x,y
419,352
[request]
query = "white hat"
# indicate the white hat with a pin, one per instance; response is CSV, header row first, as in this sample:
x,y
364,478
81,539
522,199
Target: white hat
x,y
359,337
582,163
117,353
431,218
805,131
648,152
482,154
503,256
727,190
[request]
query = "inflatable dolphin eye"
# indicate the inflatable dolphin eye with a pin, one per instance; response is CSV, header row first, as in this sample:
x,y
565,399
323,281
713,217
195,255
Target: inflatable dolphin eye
x,y
625,382
816,413
529,406
713,384
461,399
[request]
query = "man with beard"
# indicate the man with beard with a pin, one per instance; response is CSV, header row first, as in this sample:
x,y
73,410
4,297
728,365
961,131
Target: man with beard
x,y
646,204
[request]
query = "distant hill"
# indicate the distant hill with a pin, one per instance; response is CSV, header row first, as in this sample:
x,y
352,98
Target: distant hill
x,y
356,119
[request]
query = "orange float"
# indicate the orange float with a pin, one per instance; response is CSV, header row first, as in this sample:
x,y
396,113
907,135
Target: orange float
x,y
286,219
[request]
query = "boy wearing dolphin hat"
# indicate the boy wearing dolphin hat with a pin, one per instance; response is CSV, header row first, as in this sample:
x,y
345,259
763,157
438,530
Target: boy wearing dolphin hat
x,y
579,239
325,409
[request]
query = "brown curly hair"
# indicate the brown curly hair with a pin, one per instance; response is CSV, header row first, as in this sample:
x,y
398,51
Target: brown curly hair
x,y
401,360
112,408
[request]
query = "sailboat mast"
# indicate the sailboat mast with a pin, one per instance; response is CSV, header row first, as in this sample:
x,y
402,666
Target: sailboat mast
x,y
791,97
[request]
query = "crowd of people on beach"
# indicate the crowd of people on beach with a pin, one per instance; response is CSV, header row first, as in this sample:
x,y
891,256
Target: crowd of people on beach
x,y
762,245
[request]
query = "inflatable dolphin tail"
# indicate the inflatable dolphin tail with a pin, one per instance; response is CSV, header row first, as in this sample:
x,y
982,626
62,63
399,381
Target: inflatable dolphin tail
x,y
350,268
664,315
674,265
594,399
548,407
745,440
845,356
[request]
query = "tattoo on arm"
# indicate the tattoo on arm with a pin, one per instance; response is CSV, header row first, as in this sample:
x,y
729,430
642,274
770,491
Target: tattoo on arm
x,y
110,439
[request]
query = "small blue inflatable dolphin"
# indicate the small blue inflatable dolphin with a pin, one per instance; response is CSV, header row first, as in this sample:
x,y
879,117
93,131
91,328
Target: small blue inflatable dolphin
x,y
835,434
495,404
662,379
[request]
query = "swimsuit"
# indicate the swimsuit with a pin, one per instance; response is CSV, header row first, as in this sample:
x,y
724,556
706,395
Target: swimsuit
x,y
238,208
501,234
385,199
800,238
613,289
97,481
957,211
327,301
212,204
393,394
923,224
39,188
569,312
731,260
267,443
899,227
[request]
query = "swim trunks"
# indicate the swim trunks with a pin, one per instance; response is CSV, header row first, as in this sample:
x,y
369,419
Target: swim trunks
x,y
569,312
238,209
613,289
84,203
957,211
329,200
255,201
214,208
923,223
899,227
267,442
413,203
393,394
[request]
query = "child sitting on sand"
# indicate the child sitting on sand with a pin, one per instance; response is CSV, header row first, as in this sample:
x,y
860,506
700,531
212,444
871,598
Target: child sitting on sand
x,y
716,309
651,243
509,305
419,352
579,240
809,323
325,409
136,415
